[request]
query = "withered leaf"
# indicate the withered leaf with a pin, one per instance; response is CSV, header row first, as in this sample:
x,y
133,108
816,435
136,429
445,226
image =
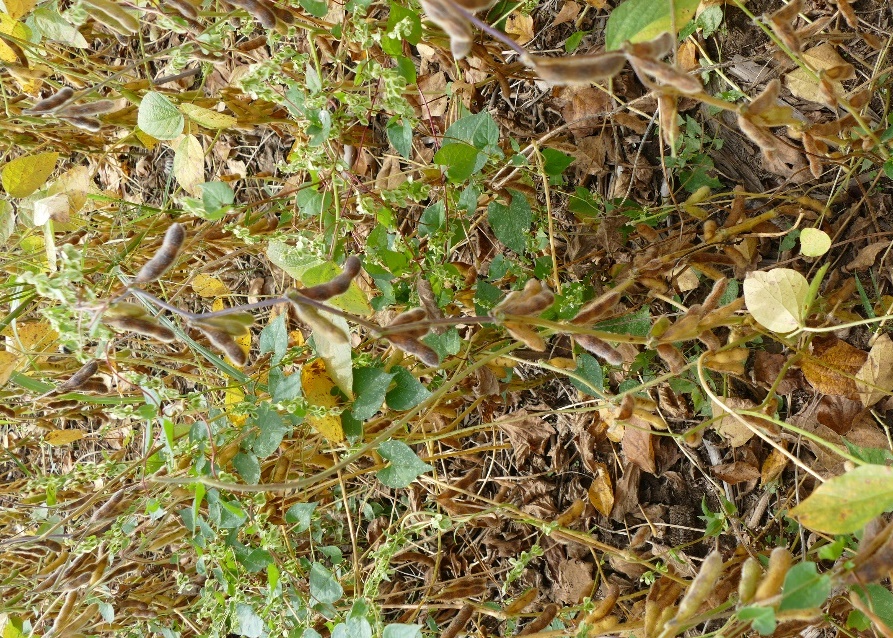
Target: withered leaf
x,y
638,445
736,472
601,492
834,370
874,380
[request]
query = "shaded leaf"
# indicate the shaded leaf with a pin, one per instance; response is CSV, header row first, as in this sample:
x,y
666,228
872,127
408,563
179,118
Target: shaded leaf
x,y
158,117
641,20
405,466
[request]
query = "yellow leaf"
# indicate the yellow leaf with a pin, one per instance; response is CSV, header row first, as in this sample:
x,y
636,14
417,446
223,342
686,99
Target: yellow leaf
x,y
244,342
875,378
63,437
189,164
11,26
8,362
601,494
18,8
31,336
145,139
814,242
821,58
833,371
24,175
232,397
208,118
208,286
74,183
777,298
318,386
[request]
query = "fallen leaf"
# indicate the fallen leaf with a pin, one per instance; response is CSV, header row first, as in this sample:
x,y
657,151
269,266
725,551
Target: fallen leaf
x,y
730,427
866,257
8,363
527,434
318,387
569,11
821,58
520,27
30,336
63,437
874,380
601,493
833,371
773,466
638,445
736,472
209,286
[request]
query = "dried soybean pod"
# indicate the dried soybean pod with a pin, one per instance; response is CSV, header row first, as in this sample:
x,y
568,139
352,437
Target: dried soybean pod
x,y
600,306
92,108
542,621
184,8
600,348
283,14
458,623
337,285
532,300
51,103
576,69
413,346
225,343
712,300
86,123
780,561
750,579
701,587
259,11
146,327
79,378
412,316
111,15
235,324
604,606
164,258
126,309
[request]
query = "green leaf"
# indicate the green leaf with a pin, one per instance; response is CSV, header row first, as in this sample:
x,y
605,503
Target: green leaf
x,y
294,260
555,162
814,242
248,623
460,159
511,223
804,588
432,219
274,338
584,205
402,631
571,44
400,137
370,385
763,619
872,455
247,467
256,560
710,19
56,28
353,301
777,298
354,627
408,392
591,372
300,513
446,344
217,197
637,324
316,8
411,29
272,431
879,599
844,504
642,20
324,587
158,117
405,465
24,175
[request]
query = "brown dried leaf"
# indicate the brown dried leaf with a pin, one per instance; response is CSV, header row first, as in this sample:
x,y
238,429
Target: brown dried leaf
x,y
733,430
833,371
874,380
638,445
821,58
736,472
773,466
527,434
569,11
520,27
867,256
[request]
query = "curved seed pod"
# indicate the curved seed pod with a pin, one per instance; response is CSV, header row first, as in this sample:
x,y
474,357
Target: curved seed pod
x,y
51,103
532,300
412,316
576,69
604,606
600,348
184,8
283,14
336,286
126,309
600,306
444,14
259,11
626,407
146,327
526,335
111,15
712,300
780,561
413,346
86,123
64,613
701,587
672,357
92,108
235,324
164,258
79,378
542,621
225,343
458,622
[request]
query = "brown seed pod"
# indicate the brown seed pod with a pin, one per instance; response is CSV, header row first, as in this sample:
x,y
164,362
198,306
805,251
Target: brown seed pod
x,y
184,8
598,307
126,309
86,123
164,258
672,357
532,300
113,16
600,348
235,324
49,104
411,316
141,326
576,69
445,14
225,343
458,622
716,293
526,335
78,378
542,621
336,286
91,108
259,11
413,346
701,587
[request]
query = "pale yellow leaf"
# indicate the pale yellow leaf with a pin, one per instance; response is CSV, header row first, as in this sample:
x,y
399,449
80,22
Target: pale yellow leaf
x,y
821,58
733,428
11,26
189,164
777,298
208,118
318,387
63,437
18,8
814,242
520,27
75,184
601,493
8,362
31,336
209,286
232,397
874,380
24,175
52,207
